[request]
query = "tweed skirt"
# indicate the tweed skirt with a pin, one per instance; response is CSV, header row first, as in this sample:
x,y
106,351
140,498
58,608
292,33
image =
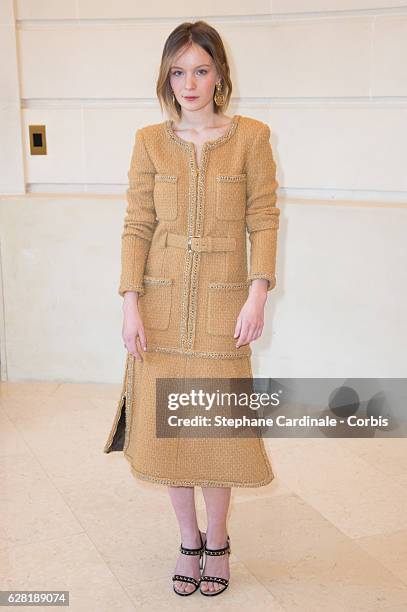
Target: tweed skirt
x,y
182,461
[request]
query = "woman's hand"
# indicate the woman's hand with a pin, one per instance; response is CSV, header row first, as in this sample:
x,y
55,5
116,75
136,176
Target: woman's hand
x,y
250,322
132,325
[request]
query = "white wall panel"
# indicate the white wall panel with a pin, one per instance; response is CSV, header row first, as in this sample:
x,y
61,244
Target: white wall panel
x,y
11,150
327,57
338,309
183,9
332,148
46,9
389,64
90,62
6,13
131,9
304,6
60,268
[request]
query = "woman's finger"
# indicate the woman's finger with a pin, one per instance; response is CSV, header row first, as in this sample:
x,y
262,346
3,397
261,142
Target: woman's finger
x,y
238,327
142,336
243,335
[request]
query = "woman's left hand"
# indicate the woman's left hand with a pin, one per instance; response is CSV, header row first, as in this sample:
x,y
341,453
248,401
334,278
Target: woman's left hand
x,y
250,322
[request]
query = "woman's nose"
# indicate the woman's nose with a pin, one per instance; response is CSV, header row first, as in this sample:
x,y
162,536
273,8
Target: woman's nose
x,y
190,82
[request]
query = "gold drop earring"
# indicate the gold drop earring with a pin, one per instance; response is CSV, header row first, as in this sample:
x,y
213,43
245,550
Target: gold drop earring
x,y
219,97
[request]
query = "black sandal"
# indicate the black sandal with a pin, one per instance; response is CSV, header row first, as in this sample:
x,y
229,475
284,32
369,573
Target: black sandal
x,y
215,552
190,551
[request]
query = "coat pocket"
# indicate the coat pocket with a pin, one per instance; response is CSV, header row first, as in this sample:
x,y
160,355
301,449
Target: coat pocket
x,y
225,301
231,196
155,304
166,196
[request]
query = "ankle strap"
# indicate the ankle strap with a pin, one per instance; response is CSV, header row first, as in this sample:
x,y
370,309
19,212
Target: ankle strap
x,y
218,551
193,551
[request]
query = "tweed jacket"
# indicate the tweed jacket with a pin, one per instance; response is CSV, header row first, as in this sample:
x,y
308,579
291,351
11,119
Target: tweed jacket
x,y
184,246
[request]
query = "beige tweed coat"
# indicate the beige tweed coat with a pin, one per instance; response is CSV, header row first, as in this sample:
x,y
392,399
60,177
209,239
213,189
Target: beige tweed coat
x,y
184,251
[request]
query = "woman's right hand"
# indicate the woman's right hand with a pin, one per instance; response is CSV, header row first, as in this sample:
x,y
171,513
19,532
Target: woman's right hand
x,y
132,325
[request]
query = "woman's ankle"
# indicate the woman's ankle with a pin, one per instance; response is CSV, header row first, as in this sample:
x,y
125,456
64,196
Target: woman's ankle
x,y
190,537
216,536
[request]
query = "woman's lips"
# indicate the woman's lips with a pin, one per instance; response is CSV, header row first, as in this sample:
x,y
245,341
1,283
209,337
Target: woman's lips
x,y
191,97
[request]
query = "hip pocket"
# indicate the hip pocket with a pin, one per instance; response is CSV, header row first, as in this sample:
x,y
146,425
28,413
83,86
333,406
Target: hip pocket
x,y
166,196
225,301
155,304
231,196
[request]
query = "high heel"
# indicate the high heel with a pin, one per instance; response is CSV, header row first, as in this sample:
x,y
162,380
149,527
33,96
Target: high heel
x,y
215,552
190,551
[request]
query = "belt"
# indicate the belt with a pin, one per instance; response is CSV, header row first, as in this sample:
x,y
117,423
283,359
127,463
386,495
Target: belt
x,y
201,243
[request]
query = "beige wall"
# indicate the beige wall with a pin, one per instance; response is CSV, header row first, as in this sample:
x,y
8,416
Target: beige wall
x,y
330,80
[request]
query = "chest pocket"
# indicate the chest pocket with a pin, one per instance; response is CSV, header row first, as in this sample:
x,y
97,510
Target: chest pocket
x,y
231,196
155,304
166,196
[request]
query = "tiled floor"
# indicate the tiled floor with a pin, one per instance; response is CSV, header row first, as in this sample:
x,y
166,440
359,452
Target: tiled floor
x,y
329,533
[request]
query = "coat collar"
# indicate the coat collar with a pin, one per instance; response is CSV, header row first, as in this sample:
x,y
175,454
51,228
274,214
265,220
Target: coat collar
x,y
211,144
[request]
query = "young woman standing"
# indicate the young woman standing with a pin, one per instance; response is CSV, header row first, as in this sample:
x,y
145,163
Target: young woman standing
x,y
192,304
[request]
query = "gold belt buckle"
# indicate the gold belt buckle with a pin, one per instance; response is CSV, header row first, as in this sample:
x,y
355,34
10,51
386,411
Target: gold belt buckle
x,y
190,241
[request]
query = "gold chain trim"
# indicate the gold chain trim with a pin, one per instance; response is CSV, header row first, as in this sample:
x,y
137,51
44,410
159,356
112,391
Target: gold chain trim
x,y
196,256
165,178
199,482
192,353
155,280
129,400
189,255
210,143
220,285
232,178
192,261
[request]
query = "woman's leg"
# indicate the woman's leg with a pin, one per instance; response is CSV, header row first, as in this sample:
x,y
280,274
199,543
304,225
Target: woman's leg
x,y
217,501
183,501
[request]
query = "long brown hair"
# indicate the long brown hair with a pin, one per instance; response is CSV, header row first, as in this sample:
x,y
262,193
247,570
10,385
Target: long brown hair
x,y
203,34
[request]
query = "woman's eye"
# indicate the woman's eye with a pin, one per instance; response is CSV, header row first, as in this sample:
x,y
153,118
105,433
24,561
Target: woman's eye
x,y
202,71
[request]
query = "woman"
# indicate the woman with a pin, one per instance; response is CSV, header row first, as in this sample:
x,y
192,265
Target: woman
x,y
197,182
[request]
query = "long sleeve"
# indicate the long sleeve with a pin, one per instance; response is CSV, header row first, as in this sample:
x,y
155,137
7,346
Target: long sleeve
x,y
140,218
262,215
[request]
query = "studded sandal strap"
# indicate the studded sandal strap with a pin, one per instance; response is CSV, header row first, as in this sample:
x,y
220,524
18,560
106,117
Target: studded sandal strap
x,y
218,551
185,579
193,551
215,579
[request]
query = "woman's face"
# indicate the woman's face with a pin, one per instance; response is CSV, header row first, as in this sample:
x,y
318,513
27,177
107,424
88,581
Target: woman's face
x,y
193,73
